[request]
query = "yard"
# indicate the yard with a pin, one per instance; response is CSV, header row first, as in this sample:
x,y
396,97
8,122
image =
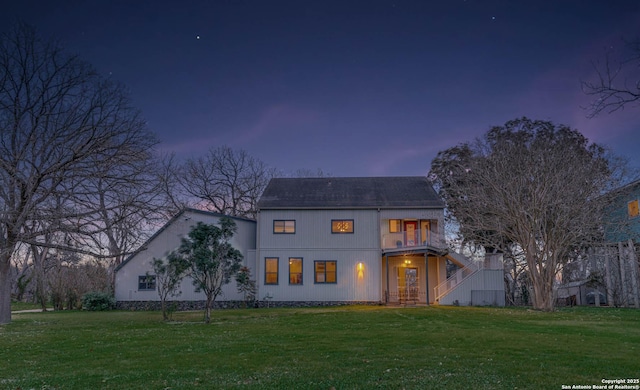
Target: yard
x,y
322,348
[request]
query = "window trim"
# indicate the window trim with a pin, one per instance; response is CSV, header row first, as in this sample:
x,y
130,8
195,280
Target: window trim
x,y
266,273
343,220
284,226
142,281
301,271
315,271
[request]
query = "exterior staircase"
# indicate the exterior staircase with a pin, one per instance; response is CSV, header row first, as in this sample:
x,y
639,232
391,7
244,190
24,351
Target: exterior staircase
x,y
482,280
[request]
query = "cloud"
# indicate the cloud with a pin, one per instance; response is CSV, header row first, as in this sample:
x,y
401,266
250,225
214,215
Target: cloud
x,y
188,147
274,119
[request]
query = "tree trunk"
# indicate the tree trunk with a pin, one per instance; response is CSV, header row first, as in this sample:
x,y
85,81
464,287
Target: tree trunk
x,y
163,304
207,310
38,267
5,287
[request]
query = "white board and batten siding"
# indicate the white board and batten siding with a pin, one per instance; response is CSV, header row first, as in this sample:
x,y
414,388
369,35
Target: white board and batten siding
x,y
483,288
351,283
313,229
314,241
168,238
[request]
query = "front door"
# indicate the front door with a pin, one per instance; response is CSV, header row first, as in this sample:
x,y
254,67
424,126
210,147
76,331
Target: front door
x,y
408,289
410,233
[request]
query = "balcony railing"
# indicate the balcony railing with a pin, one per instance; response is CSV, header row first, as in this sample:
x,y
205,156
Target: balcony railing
x,y
410,240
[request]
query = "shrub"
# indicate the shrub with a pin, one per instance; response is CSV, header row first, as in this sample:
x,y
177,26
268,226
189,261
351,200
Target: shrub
x,y
98,301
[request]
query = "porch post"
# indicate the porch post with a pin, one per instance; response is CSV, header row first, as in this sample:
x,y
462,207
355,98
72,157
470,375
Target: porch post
x,y
386,298
426,273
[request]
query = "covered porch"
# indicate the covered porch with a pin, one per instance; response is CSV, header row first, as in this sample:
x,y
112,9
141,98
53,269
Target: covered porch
x,y
410,274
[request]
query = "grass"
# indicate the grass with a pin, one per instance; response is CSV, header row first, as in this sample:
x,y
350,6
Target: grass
x,y
321,348
16,306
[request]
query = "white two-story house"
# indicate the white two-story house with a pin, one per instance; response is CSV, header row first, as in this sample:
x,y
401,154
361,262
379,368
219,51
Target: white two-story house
x,y
362,239
320,241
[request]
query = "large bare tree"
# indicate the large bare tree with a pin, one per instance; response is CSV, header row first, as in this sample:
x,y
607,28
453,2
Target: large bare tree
x,y
227,181
617,80
61,124
529,184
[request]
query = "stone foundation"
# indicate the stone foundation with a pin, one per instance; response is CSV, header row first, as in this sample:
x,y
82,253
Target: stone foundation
x,y
199,305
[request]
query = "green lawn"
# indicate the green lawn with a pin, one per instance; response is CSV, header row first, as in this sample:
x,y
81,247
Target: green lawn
x,y
321,348
15,306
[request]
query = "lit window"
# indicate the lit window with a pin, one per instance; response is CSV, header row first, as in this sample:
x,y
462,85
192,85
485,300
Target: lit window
x,y
633,209
146,282
325,271
342,226
284,227
295,270
271,270
394,226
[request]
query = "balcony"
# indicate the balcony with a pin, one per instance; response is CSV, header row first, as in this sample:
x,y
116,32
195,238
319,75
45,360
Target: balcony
x,y
419,238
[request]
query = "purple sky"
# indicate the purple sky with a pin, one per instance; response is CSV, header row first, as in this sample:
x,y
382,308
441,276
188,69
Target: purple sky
x,y
355,88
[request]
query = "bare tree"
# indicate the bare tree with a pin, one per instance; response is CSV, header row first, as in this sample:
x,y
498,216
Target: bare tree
x,y
61,124
530,184
226,181
168,178
169,272
130,204
617,81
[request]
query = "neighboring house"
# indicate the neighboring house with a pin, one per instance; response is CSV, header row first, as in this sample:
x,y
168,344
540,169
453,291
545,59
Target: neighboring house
x,y
622,235
623,223
135,282
612,264
325,241
362,239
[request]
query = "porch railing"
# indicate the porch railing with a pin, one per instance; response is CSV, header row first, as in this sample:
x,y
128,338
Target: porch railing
x,y
406,295
418,238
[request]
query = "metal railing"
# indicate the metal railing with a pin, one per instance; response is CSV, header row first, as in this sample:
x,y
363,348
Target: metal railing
x,y
406,295
418,238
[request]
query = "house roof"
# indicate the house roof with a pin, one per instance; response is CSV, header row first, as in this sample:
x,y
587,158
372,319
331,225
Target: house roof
x,y
350,193
171,221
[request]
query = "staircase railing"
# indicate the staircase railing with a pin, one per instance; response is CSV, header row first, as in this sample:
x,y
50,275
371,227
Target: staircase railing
x,y
456,279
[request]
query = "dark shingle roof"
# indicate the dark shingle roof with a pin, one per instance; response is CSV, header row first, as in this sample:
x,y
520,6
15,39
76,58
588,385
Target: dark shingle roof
x,y
350,192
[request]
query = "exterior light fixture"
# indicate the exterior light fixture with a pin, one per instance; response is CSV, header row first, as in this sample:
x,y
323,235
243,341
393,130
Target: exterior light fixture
x,y
360,268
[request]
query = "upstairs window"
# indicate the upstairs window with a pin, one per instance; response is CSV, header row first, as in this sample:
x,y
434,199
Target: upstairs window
x,y
284,226
295,270
146,282
342,226
632,208
394,226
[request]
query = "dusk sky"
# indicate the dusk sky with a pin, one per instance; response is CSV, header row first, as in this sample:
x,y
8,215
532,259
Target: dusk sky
x,y
355,88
